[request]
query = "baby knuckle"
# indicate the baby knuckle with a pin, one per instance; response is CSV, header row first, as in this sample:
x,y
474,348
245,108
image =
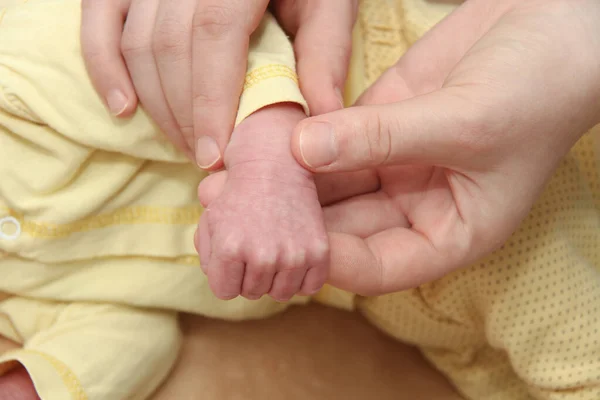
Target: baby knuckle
x,y
294,257
231,248
320,249
264,259
216,216
215,21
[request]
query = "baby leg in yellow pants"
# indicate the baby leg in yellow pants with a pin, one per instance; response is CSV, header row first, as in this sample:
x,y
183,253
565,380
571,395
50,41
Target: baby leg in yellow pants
x,y
64,343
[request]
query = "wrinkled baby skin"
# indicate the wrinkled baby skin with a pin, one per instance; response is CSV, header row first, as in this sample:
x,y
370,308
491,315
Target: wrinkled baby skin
x,y
262,231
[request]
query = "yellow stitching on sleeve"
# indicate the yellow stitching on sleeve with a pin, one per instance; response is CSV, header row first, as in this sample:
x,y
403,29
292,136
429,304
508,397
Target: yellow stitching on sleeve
x,y
126,216
187,260
269,71
184,260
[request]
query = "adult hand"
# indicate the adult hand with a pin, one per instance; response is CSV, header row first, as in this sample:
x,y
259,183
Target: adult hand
x,y
462,133
186,60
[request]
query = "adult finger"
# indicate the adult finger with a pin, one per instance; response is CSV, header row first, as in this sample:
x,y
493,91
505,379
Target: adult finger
x,y
172,49
332,188
434,129
323,45
421,71
101,30
364,215
220,40
136,46
393,260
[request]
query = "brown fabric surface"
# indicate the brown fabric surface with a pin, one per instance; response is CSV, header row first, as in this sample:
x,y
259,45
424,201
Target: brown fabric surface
x,y
306,353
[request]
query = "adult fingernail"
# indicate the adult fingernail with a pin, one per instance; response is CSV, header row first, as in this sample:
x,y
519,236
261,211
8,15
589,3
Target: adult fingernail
x,y
318,145
207,152
117,102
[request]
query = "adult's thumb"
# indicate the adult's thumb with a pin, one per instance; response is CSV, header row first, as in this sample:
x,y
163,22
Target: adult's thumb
x,y
438,129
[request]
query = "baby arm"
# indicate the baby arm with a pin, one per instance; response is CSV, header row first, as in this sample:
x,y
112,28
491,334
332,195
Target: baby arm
x,y
264,233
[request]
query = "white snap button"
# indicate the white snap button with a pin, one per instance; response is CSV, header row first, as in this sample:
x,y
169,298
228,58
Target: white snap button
x,y
10,228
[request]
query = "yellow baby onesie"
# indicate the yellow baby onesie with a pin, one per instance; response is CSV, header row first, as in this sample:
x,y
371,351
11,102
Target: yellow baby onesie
x,y
102,213
523,323
97,215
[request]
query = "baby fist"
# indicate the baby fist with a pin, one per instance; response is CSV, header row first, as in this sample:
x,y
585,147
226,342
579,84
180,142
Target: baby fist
x,y
263,234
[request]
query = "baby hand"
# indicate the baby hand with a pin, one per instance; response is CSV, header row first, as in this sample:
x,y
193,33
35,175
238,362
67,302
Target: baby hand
x,y
264,232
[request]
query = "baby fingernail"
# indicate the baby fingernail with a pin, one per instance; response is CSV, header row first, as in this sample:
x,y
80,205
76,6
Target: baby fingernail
x,y
117,102
318,145
207,152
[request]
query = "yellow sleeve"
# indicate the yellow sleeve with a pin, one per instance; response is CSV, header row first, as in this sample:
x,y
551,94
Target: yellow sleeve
x,y
44,85
271,73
